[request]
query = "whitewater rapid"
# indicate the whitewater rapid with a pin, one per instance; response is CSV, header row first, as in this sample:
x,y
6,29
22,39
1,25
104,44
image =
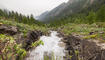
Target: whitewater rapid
x,y
53,48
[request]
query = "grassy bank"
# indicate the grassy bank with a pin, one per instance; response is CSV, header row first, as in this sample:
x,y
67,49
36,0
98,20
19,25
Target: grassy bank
x,y
24,27
9,48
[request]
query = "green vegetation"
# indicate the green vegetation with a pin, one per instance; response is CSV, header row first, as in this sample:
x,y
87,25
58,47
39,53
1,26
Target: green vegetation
x,y
24,27
90,36
51,57
82,23
34,44
81,18
82,29
14,16
9,49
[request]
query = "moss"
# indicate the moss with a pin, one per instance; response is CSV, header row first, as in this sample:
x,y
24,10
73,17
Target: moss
x,y
70,57
76,52
90,36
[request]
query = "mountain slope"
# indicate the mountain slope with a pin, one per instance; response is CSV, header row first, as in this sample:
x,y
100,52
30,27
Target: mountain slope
x,y
72,7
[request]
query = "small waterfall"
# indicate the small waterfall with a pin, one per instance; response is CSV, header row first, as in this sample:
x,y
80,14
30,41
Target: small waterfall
x,y
53,48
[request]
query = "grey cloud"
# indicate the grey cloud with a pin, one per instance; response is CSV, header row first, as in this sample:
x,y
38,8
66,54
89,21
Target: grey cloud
x,y
35,7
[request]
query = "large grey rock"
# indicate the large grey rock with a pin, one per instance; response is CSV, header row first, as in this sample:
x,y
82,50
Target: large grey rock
x,y
11,30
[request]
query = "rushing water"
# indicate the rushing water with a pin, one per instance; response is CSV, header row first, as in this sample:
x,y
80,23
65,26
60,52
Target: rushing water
x,y
53,48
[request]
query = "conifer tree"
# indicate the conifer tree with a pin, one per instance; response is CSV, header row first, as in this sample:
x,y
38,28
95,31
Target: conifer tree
x,y
101,14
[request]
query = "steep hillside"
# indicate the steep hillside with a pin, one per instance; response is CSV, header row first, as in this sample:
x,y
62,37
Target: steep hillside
x,y
42,15
72,7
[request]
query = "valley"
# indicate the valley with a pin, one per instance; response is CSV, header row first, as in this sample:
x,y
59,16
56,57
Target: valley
x,y
72,31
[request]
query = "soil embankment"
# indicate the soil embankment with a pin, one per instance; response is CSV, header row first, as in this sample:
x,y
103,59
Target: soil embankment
x,y
83,49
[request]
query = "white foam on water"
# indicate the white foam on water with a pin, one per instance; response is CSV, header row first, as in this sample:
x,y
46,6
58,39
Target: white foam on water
x,y
50,48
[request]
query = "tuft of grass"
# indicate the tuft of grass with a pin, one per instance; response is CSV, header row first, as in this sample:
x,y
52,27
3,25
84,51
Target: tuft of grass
x,y
34,44
90,36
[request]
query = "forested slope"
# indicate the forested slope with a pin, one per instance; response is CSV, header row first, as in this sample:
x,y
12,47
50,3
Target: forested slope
x,y
73,7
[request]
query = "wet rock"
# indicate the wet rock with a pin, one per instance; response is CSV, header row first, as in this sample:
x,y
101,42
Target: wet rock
x,y
91,33
65,41
19,38
80,49
62,44
102,32
11,30
32,37
60,34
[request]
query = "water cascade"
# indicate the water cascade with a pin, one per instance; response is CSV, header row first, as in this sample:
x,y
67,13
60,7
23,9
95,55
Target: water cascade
x,y
53,48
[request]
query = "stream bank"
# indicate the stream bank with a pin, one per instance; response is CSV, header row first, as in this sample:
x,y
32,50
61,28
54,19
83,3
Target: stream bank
x,y
13,41
76,47
83,49
52,49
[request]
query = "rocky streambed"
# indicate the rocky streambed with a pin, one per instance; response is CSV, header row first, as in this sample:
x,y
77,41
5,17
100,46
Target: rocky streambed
x,y
53,48
71,47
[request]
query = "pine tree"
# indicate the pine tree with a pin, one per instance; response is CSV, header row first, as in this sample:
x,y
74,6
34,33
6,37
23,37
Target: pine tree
x,y
101,14
32,20
91,17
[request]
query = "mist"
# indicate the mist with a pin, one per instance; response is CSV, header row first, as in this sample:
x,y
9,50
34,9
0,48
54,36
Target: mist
x,y
27,7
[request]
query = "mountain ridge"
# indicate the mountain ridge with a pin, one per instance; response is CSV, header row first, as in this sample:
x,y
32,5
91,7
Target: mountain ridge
x,y
69,8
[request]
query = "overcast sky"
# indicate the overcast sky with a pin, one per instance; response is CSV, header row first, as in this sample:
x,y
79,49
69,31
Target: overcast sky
x,y
35,7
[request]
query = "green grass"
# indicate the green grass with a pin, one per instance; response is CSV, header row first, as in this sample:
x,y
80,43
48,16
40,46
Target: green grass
x,y
12,47
34,44
83,29
67,29
25,27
